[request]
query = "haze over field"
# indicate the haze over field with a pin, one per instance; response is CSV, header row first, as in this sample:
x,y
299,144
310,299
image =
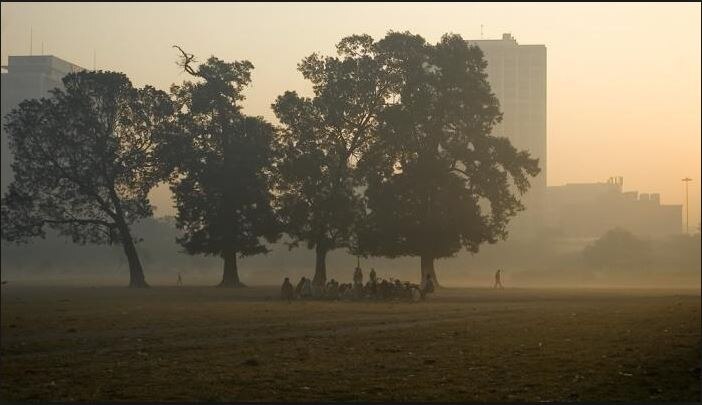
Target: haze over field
x,y
367,186
623,81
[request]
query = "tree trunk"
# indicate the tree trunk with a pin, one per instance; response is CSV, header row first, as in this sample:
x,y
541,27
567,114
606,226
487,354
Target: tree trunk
x,y
320,267
230,277
427,267
136,273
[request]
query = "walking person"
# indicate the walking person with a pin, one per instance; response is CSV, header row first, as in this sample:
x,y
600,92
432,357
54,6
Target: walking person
x,y
299,287
498,281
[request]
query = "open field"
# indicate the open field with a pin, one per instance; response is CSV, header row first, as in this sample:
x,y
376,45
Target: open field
x,y
203,343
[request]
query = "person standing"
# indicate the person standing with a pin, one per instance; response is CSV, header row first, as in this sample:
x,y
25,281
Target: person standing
x,y
286,291
307,288
428,285
180,280
358,276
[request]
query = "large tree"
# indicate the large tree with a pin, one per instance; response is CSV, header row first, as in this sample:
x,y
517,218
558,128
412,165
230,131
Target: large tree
x,y
437,179
223,160
322,139
85,159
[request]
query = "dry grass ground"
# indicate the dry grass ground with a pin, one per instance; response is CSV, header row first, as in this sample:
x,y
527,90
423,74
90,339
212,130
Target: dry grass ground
x,y
200,343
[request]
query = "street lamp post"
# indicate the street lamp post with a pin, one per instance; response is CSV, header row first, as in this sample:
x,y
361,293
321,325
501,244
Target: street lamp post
x,y
687,207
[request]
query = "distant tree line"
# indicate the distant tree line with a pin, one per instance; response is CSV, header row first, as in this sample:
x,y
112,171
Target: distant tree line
x,y
533,259
391,156
54,256
619,249
618,257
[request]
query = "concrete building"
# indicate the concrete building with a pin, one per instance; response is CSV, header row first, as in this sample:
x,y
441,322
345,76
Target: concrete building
x,y
27,77
517,76
591,209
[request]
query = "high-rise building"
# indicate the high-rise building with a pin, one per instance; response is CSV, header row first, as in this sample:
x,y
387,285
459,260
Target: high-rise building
x,y
517,76
27,77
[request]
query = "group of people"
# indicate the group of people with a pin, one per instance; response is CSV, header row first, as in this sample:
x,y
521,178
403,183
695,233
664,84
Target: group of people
x,y
374,289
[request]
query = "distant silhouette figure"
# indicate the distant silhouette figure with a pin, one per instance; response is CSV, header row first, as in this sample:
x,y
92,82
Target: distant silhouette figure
x,y
299,287
180,279
498,281
428,285
306,288
358,276
372,286
416,294
332,290
286,291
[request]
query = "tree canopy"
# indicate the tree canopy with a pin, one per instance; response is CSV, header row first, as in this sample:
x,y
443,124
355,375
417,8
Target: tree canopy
x,y
437,179
223,160
85,159
392,155
323,137
618,248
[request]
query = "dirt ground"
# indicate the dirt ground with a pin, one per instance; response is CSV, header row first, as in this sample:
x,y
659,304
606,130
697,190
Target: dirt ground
x,y
462,345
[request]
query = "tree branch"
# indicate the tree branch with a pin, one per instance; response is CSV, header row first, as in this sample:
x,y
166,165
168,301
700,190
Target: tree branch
x,y
187,59
80,222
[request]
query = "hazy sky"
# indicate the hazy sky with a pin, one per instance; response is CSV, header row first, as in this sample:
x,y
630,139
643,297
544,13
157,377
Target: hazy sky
x,y
623,79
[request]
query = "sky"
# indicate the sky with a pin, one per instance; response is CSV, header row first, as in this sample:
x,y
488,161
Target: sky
x,y
623,79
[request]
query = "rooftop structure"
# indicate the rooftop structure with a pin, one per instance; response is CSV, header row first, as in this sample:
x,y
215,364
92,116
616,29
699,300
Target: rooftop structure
x,y
27,77
591,209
